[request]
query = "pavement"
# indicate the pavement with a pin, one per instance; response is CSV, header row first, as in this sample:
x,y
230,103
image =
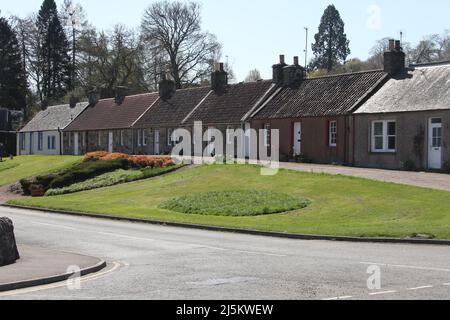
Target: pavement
x,y
159,262
38,266
418,179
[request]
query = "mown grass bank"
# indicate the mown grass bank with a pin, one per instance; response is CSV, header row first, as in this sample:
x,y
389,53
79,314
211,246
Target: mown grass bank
x,y
340,206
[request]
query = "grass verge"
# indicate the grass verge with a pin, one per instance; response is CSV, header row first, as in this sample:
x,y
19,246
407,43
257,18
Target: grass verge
x,y
340,206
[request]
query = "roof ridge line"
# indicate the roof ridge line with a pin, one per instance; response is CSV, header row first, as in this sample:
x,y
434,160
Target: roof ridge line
x,y
196,107
344,74
143,113
258,103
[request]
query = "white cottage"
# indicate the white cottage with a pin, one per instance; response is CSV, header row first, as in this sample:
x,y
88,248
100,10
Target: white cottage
x,y
43,134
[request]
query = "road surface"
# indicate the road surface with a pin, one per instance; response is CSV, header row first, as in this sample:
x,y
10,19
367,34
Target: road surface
x,y
156,262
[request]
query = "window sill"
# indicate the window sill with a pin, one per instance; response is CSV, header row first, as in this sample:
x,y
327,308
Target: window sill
x,y
384,152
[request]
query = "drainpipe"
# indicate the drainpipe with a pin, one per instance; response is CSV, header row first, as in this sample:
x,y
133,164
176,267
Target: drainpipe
x,y
60,142
132,141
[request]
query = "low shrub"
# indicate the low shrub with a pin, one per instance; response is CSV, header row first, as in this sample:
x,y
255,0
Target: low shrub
x,y
97,155
74,174
303,158
135,161
110,179
87,170
235,203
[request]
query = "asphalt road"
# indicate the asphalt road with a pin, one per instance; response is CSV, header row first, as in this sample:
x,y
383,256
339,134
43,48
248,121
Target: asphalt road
x,y
156,262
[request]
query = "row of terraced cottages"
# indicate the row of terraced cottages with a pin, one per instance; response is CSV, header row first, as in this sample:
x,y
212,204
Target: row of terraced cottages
x,y
388,118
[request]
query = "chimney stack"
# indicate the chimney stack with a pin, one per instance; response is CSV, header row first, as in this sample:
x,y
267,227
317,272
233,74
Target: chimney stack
x,y
44,104
293,74
166,86
278,71
121,93
394,58
73,102
219,78
93,97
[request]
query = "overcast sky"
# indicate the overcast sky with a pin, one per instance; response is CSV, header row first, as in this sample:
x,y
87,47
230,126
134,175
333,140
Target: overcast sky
x,y
255,32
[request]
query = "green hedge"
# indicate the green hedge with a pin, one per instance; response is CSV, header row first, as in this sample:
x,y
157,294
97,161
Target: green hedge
x,y
76,173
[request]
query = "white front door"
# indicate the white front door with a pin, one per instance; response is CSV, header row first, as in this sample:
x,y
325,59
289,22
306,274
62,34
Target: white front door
x,y
247,139
297,138
156,142
435,144
110,141
76,151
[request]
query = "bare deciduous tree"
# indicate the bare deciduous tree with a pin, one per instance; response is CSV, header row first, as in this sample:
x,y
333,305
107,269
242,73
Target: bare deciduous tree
x,y
253,76
175,28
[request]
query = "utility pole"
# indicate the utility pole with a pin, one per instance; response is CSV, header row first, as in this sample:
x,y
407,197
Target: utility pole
x,y
306,50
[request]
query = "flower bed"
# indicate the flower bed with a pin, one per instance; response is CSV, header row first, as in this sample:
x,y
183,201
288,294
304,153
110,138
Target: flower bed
x,y
136,161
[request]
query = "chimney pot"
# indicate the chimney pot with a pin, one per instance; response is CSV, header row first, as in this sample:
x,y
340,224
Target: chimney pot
x,y
296,61
282,59
73,101
398,45
391,44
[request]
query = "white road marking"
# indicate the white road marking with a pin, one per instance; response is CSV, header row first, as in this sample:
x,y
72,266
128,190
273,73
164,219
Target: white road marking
x,y
420,288
446,284
153,240
383,292
62,284
53,225
405,266
338,298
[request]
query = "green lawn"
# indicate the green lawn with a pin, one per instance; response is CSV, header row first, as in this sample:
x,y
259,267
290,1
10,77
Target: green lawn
x,y
27,166
342,206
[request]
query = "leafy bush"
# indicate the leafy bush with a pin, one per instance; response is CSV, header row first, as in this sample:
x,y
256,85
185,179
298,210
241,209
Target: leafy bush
x,y
97,155
111,179
235,203
74,174
87,170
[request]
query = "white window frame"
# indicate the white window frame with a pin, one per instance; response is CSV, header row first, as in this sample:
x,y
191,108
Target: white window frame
x,y
332,133
22,141
40,141
69,139
267,128
144,137
121,138
139,133
53,143
170,142
385,135
99,138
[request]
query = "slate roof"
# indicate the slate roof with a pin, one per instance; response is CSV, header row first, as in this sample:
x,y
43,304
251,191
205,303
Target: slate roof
x,y
171,113
54,118
322,96
426,87
230,106
107,115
